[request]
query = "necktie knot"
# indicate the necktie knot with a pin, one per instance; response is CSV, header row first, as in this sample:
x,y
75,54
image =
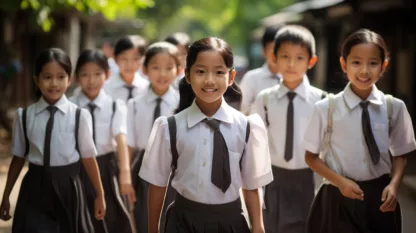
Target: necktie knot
x,y
364,104
291,95
129,87
213,124
52,109
92,107
158,100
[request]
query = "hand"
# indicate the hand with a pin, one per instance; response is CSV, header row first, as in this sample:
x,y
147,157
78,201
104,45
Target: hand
x,y
350,189
5,210
127,190
257,230
389,198
100,207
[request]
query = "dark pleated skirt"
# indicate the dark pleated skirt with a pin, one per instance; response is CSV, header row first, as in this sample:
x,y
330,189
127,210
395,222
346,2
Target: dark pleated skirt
x,y
287,200
332,212
117,219
141,187
52,201
186,216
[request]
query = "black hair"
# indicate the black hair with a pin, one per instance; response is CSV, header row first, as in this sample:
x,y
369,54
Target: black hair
x,y
364,36
179,38
295,34
269,34
161,47
130,42
186,93
95,56
50,55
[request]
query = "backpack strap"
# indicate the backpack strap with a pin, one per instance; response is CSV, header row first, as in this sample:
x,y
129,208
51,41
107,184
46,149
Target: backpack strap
x,y
389,102
112,115
77,116
24,113
265,103
331,109
246,140
172,135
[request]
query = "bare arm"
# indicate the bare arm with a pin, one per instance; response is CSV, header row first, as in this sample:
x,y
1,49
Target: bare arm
x,y
252,200
399,163
91,167
14,171
155,203
124,159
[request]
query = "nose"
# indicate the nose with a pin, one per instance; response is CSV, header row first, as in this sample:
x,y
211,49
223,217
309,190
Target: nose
x,y
209,78
364,70
291,62
54,81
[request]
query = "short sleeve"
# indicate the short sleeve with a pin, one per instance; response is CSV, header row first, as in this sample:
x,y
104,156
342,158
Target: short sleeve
x,y
258,106
248,94
256,165
85,141
314,133
119,125
156,166
402,137
131,125
18,143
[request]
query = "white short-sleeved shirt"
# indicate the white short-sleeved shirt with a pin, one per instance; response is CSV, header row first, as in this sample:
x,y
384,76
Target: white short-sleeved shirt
x,y
108,124
347,141
253,82
116,87
63,151
277,103
140,115
195,146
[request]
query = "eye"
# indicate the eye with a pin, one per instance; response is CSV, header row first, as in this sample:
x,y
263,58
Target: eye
x,y
220,72
284,56
374,63
200,71
62,76
300,58
355,62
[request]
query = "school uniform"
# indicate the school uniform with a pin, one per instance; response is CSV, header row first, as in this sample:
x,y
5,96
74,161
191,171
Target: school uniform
x,y
288,198
201,206
118,89
109,120
351,158
142,112
52,139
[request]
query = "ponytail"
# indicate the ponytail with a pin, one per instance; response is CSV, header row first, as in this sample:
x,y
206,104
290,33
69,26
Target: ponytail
x,y
186,95
233,96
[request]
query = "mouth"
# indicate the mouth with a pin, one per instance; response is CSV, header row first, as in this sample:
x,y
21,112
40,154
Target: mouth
x,y
162,81
209,90
54,91
363,80
291,72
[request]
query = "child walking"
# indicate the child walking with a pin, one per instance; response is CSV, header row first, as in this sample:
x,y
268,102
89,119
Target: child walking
x,y
285,109
109,126
214,150
182,41
54,136
160,99
128,53
355,130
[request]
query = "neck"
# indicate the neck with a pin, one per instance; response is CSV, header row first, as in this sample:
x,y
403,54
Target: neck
x,y
128,79
363,94
292,85
209,109
272,69
159,92
91,97
51,102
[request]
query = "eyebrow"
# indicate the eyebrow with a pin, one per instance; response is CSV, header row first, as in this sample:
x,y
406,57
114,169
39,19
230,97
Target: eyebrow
x,y
203,66
357,57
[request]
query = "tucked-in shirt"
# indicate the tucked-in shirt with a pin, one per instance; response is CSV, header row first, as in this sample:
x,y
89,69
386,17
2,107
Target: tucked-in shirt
x,y
63,150
116,87
195,147
108,124
140,115
348,145
277,105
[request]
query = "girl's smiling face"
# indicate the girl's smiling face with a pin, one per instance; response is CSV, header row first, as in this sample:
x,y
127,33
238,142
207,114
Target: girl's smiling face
x,y
162,69
53,81
91,78
364,67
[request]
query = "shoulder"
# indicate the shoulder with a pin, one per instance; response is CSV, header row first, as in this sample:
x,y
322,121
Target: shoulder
x,y
268,91
251,74
315,93
119,104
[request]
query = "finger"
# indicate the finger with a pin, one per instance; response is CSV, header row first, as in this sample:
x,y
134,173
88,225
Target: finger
x,y
357,190
386,206
384,195
356,196
133,197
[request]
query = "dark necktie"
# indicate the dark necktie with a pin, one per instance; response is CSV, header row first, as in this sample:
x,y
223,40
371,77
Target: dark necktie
x,y
47,146
220,173
130,90
368,133
289,127
156,113
92,107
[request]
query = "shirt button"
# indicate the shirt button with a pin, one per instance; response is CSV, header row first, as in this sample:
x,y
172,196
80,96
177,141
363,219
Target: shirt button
x,y
204,164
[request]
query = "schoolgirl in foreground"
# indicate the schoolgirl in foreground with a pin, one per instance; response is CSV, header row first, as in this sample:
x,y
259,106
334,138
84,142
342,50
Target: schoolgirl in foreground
x,y
215,151
362,179
109,131
160,99
54,136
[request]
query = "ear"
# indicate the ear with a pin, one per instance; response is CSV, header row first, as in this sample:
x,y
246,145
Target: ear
x,y
179,70
384,66
107,74
187,76
343,64
232,77
312,61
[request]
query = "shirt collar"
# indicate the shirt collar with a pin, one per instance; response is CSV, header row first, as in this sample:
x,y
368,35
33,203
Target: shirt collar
x,y
195,115
62,105
83,100
353,100
301,90
169,97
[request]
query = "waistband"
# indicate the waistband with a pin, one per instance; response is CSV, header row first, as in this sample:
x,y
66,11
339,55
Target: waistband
x,y
183,203
57,172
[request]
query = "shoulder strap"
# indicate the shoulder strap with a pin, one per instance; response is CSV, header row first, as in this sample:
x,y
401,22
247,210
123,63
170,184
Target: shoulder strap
x,y
77,116
265,103
331,109
24,113
172,135
324,95
389,102
112,115
247,137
